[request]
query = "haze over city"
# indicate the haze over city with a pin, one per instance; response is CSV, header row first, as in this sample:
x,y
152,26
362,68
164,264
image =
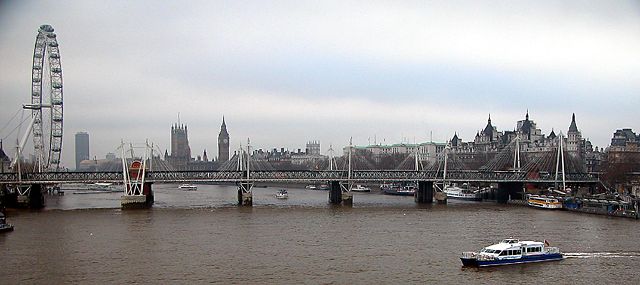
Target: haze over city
x,y
286,72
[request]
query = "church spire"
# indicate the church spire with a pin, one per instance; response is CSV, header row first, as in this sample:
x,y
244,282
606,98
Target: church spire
x,y
573,128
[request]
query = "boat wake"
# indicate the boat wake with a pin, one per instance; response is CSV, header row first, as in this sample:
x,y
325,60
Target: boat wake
x,y
602,254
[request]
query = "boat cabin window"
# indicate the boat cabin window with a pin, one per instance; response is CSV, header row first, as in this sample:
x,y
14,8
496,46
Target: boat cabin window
x,y
490,251
534,249
503,253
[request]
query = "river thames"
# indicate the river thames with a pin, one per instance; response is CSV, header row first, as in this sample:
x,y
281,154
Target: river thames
x,y
203,237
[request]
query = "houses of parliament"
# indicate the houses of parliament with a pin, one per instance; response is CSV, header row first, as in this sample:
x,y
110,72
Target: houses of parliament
x,y
180,156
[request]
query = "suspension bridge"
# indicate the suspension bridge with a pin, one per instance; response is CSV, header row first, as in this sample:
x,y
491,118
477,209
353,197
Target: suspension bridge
x,y
508,169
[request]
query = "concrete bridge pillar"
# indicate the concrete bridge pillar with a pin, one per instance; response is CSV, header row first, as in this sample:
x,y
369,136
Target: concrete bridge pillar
x,y
338,195
143,200
28,196
245,196
424,194
24,196
509,190
335,193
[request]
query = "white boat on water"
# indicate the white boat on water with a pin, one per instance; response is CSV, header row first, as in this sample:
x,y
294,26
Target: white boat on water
x,y
282,194
461,193
544,202
98,188
188,187
512,251
360,188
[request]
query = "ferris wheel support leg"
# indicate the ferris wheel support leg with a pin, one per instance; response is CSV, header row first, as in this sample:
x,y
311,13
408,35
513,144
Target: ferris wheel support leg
x,y
23,142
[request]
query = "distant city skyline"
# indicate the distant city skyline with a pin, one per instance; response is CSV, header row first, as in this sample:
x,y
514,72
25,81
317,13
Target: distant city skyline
x,y
283,73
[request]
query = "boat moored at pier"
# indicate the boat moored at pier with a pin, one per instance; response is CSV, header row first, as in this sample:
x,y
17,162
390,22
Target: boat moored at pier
x,y
462,193
512,251
394,189
188,187
360,188
544,202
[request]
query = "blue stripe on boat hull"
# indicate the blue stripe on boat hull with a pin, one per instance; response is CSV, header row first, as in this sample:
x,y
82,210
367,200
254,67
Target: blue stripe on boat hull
x,y
525,259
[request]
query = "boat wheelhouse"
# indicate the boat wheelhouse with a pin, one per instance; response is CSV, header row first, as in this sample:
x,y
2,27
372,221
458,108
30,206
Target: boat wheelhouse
x,y
512,251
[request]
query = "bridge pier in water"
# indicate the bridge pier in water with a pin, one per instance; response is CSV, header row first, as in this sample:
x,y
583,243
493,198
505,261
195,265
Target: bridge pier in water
x,y
138,193
245,196
509,190
338,195
335,193
424,193
24,196
138,201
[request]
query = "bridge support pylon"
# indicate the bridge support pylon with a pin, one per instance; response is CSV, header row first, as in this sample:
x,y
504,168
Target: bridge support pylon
x,y
424,193
138,193
245,196
509,190
143,201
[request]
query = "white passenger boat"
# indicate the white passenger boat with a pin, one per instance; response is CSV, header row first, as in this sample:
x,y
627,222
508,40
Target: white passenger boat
x,y
188,187
455,192
512,251
282,194
98,188
544,202
360,188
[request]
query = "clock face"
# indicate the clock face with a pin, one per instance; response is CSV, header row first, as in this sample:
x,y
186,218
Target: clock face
x,y
225,140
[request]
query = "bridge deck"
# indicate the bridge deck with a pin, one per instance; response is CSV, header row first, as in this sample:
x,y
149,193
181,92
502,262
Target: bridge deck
x,y
295,176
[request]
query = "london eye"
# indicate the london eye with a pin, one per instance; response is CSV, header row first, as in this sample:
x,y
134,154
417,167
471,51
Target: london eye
x,y
46,101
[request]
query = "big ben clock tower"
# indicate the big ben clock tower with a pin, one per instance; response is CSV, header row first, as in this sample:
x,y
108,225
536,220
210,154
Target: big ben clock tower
x,y
223,142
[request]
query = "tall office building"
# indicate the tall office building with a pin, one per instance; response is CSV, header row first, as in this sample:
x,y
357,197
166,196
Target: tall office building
x,y
223,143
82,148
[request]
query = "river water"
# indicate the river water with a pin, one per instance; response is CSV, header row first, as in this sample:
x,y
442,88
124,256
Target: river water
x,y
202,237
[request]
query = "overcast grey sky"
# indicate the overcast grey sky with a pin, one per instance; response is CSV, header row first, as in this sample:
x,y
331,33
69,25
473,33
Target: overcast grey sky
x,y
284,72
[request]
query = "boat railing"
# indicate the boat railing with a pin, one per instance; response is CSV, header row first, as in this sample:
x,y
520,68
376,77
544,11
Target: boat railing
x,y
550,249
